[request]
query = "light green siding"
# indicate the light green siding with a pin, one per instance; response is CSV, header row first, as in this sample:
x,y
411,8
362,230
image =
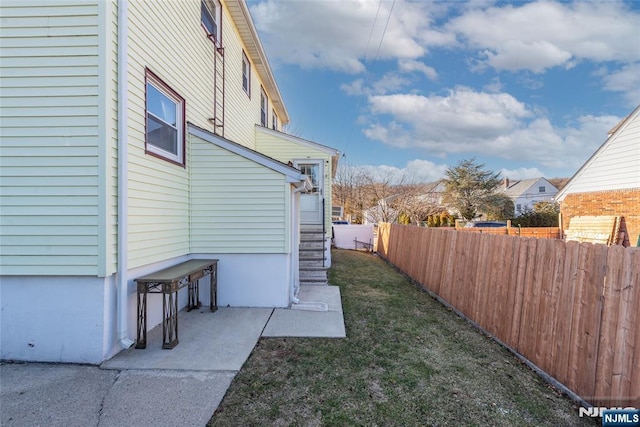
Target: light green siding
x,y
55,138
167,38
237,205
287,148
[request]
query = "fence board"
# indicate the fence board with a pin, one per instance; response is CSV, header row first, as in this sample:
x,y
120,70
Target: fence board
x,y
610,309
543,298
627,344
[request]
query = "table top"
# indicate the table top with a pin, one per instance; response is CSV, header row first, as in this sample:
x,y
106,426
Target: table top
x,y
177,271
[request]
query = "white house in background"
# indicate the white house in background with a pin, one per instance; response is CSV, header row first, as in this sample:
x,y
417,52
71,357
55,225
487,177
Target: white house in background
x,y
527,192
135,136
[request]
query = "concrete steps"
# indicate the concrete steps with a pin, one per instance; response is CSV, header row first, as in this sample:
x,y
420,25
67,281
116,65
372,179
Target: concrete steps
x,y
312,258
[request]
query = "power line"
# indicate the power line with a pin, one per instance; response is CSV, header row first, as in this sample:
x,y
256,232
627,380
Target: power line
x,y
384,32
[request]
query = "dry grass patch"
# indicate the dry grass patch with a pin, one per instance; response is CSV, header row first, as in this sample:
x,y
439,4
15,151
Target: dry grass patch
x,y
406,361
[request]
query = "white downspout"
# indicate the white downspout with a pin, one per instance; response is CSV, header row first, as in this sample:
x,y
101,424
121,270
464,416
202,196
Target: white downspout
x,y
295,208
122,275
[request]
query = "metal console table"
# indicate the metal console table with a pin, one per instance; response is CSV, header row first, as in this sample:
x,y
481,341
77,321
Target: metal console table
x,y
168,282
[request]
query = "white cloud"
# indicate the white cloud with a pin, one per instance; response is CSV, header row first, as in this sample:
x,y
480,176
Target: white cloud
x,y
341,35
409,66
415,171
521,173
539,35
490,124
627,81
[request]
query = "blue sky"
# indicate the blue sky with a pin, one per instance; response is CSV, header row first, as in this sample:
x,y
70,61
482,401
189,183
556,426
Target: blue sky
x,y
412,87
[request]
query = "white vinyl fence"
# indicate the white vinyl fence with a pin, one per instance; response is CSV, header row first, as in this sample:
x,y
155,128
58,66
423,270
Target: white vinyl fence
x,y
353,236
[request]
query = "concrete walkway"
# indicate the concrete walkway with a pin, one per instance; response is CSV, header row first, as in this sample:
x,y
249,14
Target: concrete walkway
x,y
155,387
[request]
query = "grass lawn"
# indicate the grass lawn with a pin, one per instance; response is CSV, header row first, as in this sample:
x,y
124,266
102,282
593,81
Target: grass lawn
x,y
406,361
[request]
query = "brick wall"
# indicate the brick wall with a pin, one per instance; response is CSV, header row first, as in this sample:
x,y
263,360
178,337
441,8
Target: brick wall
x,y
625,203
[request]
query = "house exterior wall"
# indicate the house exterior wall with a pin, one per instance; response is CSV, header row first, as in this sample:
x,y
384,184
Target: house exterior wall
x,y
39,324
624,203
532,195
237,205
287,148
58,137
159,190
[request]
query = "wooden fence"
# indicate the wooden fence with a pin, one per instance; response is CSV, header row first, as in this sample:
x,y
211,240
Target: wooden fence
x,y
572,309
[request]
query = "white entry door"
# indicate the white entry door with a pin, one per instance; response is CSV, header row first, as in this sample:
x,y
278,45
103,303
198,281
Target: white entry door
x,y
311,209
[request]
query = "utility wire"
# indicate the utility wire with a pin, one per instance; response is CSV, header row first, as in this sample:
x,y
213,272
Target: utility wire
x,y
384,32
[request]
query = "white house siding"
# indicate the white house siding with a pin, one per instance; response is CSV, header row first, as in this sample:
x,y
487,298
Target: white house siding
x,y
56,138
532,195
286,148
237,205
615,165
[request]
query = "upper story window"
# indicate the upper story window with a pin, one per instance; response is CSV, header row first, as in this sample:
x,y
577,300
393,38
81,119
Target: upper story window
x,y
541,189
211,15
164,134
246,74
264,105
274,120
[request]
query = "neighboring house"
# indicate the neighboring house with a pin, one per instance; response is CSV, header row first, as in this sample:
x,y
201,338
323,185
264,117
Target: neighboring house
x,y
609,182
135,136
527,192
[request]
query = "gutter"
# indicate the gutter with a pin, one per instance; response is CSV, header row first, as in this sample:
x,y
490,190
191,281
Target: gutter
x,y
122,281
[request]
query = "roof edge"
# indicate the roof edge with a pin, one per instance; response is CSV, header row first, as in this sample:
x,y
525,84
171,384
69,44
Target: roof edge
x,y
292,174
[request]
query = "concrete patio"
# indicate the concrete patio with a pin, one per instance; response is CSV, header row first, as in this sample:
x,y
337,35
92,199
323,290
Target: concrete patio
x,y
152,386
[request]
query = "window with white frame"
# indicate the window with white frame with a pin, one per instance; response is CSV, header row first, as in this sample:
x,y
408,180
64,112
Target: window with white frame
x,y
246,74
211,15
164,133
264,105
274,120
541,189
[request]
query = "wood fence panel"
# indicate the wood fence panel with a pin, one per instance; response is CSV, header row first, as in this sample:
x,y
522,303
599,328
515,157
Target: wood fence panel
x,y
589,329
457,290
511,272
526,342
423,255
627,344
566,312
448,265
520,276
479,269
634,303
571,308
556,305
434,251
544,335
610,309
497,288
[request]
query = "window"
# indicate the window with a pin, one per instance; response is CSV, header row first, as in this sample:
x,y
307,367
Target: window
x,y
274,120
264,105
311,170
541,189
246,74
518,207
210,15
164,134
